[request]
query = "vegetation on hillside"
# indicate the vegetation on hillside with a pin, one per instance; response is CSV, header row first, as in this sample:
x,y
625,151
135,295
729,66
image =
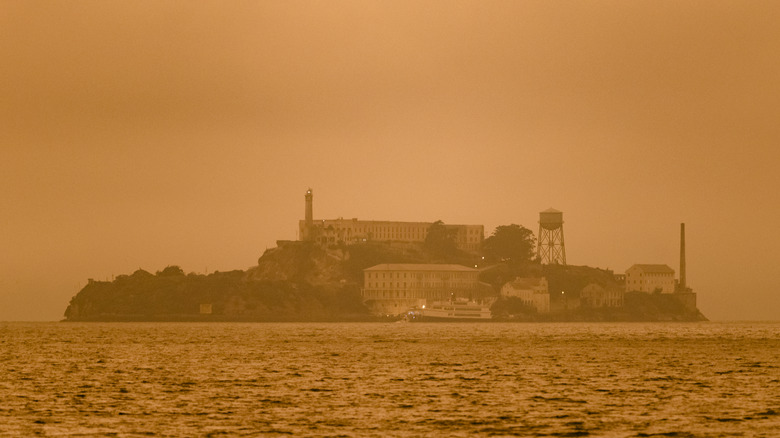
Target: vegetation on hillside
x,y
638,307
301,281
510,243
440,240
171,295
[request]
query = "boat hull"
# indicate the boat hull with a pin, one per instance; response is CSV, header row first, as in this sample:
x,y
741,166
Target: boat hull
x,y
455,312
426,318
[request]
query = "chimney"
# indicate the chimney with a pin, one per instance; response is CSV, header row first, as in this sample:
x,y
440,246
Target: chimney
x,y
683,286
308,230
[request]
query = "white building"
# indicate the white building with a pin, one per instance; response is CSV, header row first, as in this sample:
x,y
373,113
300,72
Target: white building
x,y
594,295
533,292
395,288
351,231
650,278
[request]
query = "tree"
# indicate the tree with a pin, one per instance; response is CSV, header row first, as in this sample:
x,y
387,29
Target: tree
x,y
170,271
510,242
440,239
514,306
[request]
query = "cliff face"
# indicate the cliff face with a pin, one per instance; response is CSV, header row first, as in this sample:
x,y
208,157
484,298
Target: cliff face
x,y
300,262
640,306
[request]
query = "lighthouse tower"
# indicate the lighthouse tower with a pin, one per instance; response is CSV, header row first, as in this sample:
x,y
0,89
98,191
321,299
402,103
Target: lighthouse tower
x,y
550,248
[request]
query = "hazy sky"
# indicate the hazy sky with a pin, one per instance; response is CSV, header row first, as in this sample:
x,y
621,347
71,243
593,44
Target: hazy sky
x,y
140,134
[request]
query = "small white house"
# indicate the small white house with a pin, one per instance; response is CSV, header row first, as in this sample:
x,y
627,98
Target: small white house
x,y
531,291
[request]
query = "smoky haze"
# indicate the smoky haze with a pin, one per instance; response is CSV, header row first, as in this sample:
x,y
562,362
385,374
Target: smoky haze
x,y
149,133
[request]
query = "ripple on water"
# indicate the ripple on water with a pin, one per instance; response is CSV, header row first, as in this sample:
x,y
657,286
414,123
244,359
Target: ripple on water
x,y
391,379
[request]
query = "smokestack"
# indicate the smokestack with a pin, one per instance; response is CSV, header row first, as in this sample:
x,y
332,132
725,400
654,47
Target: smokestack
x,y
683,286
309,218
309,208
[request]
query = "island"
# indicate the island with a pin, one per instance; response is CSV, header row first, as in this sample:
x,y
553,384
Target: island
x,y
358,270
303,281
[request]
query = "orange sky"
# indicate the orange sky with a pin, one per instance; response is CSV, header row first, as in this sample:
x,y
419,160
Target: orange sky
x,y
147,133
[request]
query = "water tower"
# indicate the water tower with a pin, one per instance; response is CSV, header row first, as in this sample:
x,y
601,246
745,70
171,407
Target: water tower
x,y
550,247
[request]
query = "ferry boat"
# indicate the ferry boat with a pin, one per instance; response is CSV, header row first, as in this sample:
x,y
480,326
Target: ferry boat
x,y
455,310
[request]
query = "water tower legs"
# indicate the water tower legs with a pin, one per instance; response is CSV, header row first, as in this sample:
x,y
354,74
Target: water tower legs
x,y
550,248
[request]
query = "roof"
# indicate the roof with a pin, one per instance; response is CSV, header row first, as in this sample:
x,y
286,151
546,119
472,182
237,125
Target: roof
x,y
664,269
374,223
526,282
419,267
593,287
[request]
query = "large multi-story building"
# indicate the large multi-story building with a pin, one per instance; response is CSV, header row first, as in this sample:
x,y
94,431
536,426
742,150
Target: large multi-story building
x,y
650,278
394,288
351,231
533,292
593,295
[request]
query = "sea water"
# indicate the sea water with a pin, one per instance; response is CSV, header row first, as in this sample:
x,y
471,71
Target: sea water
x,y
390,379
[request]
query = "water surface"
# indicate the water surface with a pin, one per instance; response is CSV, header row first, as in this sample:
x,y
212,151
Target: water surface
x,y
191,379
